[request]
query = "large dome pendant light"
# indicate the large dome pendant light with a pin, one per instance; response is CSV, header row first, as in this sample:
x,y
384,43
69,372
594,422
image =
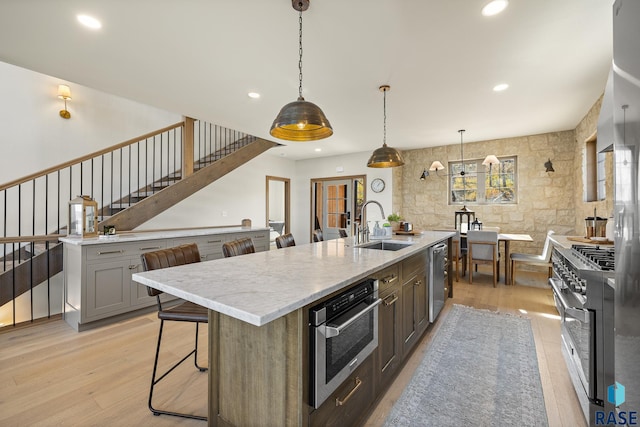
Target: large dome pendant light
x,y
301,120
385,157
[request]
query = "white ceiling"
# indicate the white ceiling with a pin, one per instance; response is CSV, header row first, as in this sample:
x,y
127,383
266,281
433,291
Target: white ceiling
x,y
442,58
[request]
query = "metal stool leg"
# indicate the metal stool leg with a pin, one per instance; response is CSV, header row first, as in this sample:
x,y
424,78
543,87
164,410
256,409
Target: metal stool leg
x,y
154,381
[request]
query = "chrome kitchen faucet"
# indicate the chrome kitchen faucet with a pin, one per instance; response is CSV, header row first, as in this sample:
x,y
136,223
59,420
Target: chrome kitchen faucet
x,y
362,232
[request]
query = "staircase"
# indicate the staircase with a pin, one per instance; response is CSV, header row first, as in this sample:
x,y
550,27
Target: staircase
x,y
132,182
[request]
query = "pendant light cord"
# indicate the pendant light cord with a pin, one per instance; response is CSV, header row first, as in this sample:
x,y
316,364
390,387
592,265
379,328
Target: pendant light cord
x,y
384,115
463,173
464,179
300,56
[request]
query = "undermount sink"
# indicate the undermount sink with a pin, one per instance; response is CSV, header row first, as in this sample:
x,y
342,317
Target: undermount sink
x,y
387,246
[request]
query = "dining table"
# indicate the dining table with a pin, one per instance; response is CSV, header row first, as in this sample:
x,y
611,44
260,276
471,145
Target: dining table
x,y
507,238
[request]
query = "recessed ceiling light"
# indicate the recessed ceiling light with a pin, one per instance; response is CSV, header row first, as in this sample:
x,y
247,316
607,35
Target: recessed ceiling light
x,y
89,21
318,149
500,87
254,95
494,7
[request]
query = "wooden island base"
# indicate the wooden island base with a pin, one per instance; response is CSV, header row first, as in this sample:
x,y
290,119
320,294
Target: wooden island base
x,y
256,372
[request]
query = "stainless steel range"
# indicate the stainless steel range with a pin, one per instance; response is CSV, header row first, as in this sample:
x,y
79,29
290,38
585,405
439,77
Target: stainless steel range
x,y
585,302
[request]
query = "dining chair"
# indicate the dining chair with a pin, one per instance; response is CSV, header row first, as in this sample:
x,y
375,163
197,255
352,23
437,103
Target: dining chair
x,y
317,235
543,259
285,241
184,312
482,248
343,233
238,247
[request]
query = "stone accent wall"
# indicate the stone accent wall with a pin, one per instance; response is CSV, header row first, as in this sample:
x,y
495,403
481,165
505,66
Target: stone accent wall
x,y
545,199
585,129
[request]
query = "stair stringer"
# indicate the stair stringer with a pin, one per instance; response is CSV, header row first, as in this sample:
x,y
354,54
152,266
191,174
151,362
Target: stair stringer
x,y
157,203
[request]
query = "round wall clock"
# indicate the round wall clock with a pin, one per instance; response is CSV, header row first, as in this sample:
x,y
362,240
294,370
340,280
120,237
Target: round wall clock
x,y
377,185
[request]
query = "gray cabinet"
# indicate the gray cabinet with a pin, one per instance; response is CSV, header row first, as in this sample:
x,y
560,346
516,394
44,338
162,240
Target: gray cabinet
x,y
98,288
98,281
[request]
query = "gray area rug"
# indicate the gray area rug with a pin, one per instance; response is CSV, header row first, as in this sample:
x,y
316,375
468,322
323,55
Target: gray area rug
x,y
480,369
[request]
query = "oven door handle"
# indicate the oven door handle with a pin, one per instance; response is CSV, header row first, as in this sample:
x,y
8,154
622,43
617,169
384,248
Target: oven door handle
x,y
334,331
577,313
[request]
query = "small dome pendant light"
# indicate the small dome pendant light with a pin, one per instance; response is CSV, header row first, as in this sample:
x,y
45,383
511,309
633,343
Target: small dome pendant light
x,y
301,120
385,157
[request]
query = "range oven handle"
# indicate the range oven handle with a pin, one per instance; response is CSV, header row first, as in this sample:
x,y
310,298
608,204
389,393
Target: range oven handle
x,y
334,331
577,313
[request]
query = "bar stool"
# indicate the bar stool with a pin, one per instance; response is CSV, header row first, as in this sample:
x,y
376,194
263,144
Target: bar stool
x,y
238,247
185,312
285,241
317,235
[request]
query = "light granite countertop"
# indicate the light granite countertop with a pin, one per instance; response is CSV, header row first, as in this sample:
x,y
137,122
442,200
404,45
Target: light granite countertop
x,y
564,242
158,234
258,288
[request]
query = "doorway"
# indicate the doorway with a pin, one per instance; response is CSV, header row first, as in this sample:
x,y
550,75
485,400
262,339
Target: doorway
x,y
336,203
278,209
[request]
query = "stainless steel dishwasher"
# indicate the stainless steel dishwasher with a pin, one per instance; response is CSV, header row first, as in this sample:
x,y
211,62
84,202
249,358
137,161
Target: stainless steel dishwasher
x,y
437,279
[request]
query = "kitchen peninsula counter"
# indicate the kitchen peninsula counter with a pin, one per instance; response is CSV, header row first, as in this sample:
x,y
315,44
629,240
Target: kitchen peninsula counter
x,y
258,288
98,289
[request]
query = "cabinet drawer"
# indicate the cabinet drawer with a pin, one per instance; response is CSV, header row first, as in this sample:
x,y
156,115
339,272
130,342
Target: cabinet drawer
x,y
122,250
388,277
411,266
350,401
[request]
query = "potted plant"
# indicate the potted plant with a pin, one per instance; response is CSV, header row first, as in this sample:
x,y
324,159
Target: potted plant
x,y
394,219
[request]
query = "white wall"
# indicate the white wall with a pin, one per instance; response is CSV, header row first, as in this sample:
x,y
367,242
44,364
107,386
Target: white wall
x,y
276,200
336,166
35,137
237,195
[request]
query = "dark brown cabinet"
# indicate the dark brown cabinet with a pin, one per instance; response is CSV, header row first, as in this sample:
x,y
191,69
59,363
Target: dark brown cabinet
x,y
389,356
403,316
414,309
350,401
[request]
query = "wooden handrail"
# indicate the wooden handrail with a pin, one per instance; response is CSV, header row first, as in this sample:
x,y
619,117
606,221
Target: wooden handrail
x,y
88,157
35,239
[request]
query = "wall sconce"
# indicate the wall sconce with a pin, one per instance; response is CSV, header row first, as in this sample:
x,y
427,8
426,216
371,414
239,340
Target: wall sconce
x,y
549,166
64,92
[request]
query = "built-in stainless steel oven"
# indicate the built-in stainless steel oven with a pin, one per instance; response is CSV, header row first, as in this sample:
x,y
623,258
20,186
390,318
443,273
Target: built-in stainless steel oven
x,y
343,333
585,303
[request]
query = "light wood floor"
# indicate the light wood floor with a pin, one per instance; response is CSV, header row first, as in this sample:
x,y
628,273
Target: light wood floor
x,y
51,375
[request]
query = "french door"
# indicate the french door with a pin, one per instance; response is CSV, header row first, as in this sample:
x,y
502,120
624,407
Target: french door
x,y
335,201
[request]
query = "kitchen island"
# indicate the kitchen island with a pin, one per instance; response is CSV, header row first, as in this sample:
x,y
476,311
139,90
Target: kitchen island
x,y
258,320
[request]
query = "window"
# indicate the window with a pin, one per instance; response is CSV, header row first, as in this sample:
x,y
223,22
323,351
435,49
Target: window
x,y
481,185
594,174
